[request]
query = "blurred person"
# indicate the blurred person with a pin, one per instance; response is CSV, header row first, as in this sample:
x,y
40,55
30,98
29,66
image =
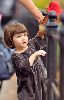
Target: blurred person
x,y
33,9
55,6
5,57
60,21
24,57
25,17
7,9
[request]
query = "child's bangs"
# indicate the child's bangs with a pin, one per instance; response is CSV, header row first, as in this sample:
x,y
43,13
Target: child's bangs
x,y
18,32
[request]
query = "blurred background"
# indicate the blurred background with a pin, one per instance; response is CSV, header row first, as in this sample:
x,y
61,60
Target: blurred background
x,y
12,11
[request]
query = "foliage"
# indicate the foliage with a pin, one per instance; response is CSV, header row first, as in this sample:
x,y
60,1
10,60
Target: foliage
x,y
42,4
62,3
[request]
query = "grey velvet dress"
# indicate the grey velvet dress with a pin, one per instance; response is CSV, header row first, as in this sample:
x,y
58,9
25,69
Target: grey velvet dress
x,y
26,80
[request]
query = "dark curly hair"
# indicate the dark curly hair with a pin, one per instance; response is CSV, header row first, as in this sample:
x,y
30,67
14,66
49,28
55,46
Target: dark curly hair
x,y
10,30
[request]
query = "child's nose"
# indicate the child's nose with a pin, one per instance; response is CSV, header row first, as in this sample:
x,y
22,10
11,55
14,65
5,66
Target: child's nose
x,y
23,37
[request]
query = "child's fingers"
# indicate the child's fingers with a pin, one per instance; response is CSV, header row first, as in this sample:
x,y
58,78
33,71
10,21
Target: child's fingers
x,y
41,52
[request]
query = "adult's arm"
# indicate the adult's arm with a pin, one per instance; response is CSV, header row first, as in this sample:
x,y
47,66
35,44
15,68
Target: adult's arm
x,y
33,9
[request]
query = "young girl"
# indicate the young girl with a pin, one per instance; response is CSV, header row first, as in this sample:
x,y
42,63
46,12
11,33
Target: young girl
x,y
24,60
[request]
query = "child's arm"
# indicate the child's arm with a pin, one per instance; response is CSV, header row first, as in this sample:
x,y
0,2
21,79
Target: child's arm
x,y
33,56
20,62
38,41
33,9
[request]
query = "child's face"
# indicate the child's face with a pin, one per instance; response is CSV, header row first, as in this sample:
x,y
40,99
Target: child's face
x,y
20,40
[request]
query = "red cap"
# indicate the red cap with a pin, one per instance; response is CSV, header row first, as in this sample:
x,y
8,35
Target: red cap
x,y
54,5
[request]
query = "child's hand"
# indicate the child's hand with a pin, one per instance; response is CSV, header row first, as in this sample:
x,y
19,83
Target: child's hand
x,y
33,56
40,52
41,31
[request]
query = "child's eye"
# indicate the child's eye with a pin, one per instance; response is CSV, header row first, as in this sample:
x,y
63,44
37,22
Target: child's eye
x,y
25,34
18,36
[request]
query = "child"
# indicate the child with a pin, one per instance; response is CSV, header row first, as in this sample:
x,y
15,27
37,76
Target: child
x,y
24,57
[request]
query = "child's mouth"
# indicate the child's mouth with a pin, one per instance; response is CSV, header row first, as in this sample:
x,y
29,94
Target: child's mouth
x,y
24,42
